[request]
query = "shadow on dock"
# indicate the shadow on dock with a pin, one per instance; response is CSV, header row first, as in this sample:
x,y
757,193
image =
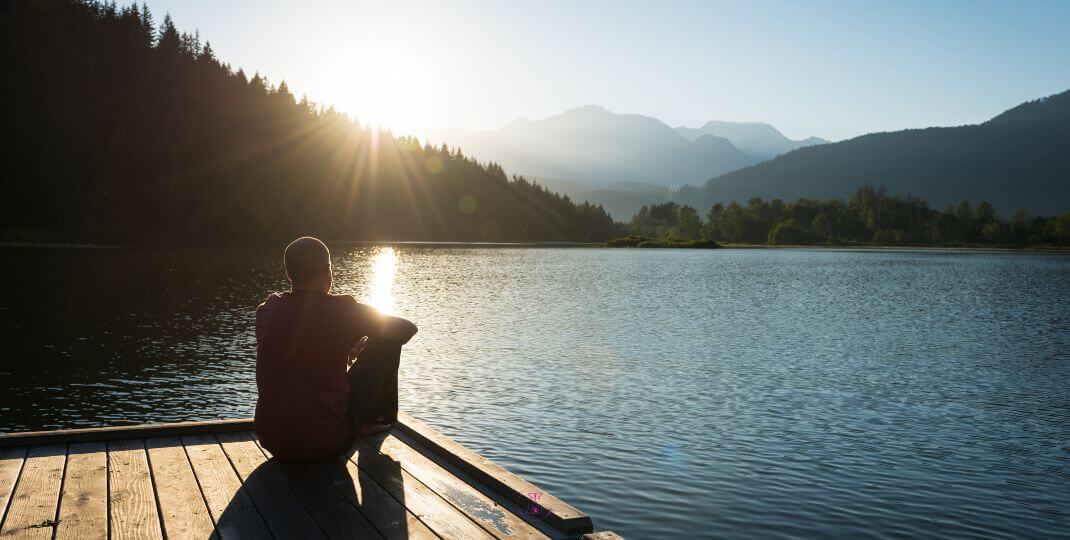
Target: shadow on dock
x,y
361,493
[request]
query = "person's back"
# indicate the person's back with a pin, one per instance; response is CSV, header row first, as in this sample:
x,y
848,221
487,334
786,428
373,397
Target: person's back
x,y
304,340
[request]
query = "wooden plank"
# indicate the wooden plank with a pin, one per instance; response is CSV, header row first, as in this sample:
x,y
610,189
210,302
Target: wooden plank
x,y
500,518
11,460
32,513
385,513
123,432
182,508
335,515
231,508
132,509
552,510
437,513
283,513
459,461
83,503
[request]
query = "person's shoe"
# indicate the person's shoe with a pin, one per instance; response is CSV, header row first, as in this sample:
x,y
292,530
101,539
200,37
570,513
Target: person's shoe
x,y
372,429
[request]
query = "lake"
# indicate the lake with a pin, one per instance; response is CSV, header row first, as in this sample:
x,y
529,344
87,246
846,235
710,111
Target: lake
x,y
741,393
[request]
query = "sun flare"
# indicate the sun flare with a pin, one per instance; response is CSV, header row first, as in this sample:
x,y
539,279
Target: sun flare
x,y
381,287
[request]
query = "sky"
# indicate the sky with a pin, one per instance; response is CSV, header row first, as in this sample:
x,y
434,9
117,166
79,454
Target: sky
x,y
830,69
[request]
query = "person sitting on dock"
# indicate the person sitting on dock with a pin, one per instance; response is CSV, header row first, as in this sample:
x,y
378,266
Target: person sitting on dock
x,y
309,407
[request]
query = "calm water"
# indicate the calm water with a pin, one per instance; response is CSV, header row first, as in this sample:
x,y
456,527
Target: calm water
x,y
740,393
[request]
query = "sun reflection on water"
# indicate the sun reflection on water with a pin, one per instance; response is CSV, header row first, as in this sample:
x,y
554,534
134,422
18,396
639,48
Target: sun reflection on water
x,y
381,285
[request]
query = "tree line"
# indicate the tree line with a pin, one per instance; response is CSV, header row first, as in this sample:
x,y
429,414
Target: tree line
x,y
124,131
870,216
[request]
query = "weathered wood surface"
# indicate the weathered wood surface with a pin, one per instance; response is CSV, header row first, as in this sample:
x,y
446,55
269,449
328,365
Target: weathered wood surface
x,y
214,480
183,511
83,503
32,511
11,460
131,496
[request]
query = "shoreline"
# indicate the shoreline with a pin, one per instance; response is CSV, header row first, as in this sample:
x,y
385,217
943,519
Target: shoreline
x,y
567,245
406,243
15,244
907,247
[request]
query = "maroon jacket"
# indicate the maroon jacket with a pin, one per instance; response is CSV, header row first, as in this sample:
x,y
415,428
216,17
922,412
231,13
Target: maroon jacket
x,y
303,340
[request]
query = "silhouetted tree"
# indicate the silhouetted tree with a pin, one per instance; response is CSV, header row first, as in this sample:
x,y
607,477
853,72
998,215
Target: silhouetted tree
x,y
169,42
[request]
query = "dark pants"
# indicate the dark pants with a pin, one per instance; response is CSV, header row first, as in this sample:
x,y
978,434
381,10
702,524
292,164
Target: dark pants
x,y
373,384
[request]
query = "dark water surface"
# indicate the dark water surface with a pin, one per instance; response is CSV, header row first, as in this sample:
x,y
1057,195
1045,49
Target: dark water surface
x,y
738,393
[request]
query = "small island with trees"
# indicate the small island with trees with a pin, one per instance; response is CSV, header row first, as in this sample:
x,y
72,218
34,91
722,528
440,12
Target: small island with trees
x,y
668,242
871,217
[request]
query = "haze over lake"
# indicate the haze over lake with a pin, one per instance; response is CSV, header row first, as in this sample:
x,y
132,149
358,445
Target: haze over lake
x,y
741,393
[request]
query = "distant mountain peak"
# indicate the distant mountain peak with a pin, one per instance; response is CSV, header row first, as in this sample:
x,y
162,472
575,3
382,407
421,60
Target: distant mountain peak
x,y
710,141
756,138
746,125
585,113
595,145
589,108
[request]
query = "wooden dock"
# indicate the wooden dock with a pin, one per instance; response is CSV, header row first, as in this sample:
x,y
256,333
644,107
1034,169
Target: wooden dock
x,y
214,480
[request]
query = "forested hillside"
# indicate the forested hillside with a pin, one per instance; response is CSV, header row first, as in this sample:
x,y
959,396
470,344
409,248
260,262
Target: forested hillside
x,y
1018,160
122,130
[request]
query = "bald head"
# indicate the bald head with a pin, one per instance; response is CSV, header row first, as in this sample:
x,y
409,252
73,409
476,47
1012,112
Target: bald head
x,y
308,264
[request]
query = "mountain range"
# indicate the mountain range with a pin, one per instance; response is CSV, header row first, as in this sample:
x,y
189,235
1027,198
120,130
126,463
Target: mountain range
x,y
590,146
1019,159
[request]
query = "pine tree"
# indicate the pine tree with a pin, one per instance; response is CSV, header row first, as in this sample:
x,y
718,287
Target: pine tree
x,y
207,56
282,95
169,42
148,32
258,84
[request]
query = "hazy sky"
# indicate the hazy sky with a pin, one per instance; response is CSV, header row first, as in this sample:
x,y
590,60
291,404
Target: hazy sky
x,y
831,69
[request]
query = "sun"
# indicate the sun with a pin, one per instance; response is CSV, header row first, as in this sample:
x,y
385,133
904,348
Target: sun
x,y
388,86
